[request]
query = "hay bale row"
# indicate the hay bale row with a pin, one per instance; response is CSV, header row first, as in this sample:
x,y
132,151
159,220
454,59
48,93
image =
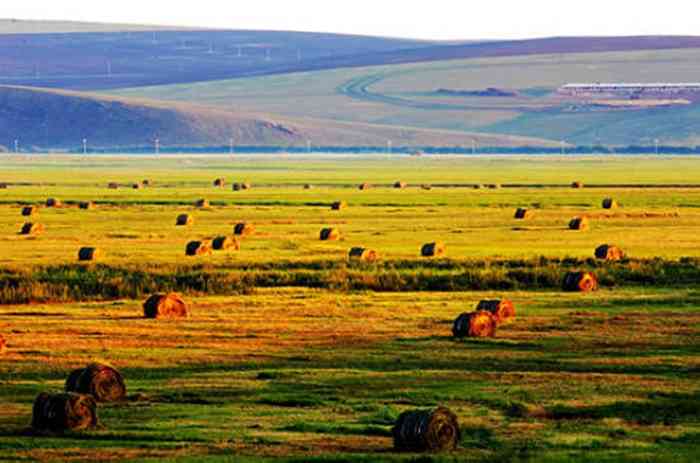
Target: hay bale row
x,y
184,220
165,306
523,214
363,255
426,430
437,249
330,234
241,186
580,282
198,248
64,412
609,252
225,243
243,229
32,229
102,382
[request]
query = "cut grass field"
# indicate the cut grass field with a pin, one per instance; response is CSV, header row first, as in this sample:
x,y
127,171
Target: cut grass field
x,y
317,374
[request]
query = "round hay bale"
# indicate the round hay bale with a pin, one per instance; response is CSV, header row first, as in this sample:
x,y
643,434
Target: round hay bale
x,y
220,183
224,243
243,229
136,186
364,186
437,249
426,430
609,252
113,186
28,211
64,412
363,255
146,182
308,186
503,310
523,214
577,185
86,205
241,186
478,186
330,234
184,220
53,202
580,282
197,248
3,186
88,254
400,185
3,344
494,186
579,223
339,205
479,324
202,204
102,382
32,229
426,187
165,306
609,203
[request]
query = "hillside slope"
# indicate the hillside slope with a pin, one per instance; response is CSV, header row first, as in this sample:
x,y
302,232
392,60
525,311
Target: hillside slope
x,y
46,118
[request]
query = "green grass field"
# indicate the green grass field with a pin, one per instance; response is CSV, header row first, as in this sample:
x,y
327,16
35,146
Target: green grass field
x,y
283,360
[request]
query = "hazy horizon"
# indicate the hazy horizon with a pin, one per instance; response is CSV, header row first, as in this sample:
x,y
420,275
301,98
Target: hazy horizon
x,y
441,20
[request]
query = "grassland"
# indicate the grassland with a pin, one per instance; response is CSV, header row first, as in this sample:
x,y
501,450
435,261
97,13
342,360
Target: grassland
x,y
304,372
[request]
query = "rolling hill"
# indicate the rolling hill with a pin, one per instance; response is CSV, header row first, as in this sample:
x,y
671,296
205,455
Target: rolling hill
x,y
60,119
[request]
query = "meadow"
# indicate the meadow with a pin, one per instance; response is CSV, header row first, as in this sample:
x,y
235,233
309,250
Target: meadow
x,y
292,353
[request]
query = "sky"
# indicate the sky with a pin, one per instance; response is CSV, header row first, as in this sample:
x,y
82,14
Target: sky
x,y
434,19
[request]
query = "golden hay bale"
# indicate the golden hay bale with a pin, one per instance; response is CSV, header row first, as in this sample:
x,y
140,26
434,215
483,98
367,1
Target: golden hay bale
x,y
3,186
3,344
479,324
88,254
28,211
64,412
579,223
165,306
478,186
308,186
32,229
146,182
436,249
202,204
580,282
220,183
609,252
86,205
113,186
426,187
241,186
523,213
136,186
223,243
503,310
609,203
494,186
243,229
53,202
576,184
363,255
426,430
400,185
330,234
364,186
339,205
198,248
102,382
184,220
